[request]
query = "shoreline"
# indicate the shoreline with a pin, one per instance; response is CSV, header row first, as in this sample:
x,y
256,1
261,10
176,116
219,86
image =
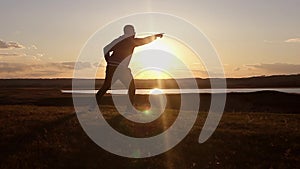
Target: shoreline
x,y
261,101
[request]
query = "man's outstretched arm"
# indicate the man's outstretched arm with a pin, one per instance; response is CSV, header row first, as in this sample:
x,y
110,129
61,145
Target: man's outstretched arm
x,y
146,40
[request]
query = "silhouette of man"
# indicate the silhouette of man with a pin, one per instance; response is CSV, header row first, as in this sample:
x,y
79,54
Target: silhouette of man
x,y
118,54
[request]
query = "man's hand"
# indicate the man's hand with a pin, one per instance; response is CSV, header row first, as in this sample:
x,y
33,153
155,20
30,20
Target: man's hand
x,y
159,35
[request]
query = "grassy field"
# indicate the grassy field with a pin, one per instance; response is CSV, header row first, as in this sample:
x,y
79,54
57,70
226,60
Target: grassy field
x,y
51,137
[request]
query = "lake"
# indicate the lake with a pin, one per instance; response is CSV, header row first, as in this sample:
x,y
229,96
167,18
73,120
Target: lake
x,y
178,91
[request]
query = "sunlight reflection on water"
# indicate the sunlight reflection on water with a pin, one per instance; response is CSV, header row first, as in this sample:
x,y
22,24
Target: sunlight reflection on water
x,y
182,91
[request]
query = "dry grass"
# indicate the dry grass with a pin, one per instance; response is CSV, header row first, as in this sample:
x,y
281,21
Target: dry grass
x,y
51,137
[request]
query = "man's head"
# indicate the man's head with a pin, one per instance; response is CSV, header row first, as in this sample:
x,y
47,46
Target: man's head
x,y
129,30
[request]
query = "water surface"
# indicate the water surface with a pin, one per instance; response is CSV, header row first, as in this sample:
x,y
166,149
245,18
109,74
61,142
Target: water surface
x,y
178,91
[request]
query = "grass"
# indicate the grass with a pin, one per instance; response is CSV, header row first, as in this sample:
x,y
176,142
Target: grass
x,y
51,137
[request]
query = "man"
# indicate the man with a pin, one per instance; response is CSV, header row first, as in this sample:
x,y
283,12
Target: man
x,y
117,55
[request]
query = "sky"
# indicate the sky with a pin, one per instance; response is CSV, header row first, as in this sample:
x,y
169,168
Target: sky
x,y
43,39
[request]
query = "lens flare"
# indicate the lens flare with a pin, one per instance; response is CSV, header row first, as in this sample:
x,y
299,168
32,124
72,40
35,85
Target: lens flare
x,y
156,91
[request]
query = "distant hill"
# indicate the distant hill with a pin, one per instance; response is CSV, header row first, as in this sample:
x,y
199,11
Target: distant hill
x,y
276,81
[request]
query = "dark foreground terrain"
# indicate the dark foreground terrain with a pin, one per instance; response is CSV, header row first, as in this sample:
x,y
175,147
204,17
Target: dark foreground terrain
x,y
39,129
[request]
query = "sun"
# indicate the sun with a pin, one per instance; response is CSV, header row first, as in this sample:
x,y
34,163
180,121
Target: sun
x,y
153,73
167,56
155,59
159,53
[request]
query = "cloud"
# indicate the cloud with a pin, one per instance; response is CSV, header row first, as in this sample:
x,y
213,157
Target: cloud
x,y
293,40
101,64
9,54
76,65
237,69
40,69
40,54
277,68
10,45
18,57
11,67
32,47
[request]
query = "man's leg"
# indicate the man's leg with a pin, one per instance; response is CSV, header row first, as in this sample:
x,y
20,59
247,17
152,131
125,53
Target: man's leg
x,y
131,91
128,81
107,83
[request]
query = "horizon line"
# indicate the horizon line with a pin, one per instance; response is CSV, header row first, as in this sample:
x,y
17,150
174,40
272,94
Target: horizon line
x,y
69,78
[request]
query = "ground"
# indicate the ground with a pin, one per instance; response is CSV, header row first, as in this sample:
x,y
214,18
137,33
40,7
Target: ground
x,y
51,137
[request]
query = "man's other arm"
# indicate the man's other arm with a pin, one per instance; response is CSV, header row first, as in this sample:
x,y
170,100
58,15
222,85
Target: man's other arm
x,y
106,51
110,48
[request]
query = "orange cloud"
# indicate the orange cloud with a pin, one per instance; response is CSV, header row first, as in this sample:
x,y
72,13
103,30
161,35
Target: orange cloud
x,y
10,45
293,40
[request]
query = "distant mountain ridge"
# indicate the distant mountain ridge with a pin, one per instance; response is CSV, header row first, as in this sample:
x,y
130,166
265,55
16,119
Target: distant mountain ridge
x,y
275,81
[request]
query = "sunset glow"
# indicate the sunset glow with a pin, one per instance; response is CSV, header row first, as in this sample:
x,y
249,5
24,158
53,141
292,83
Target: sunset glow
x,y
166,58
48,44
